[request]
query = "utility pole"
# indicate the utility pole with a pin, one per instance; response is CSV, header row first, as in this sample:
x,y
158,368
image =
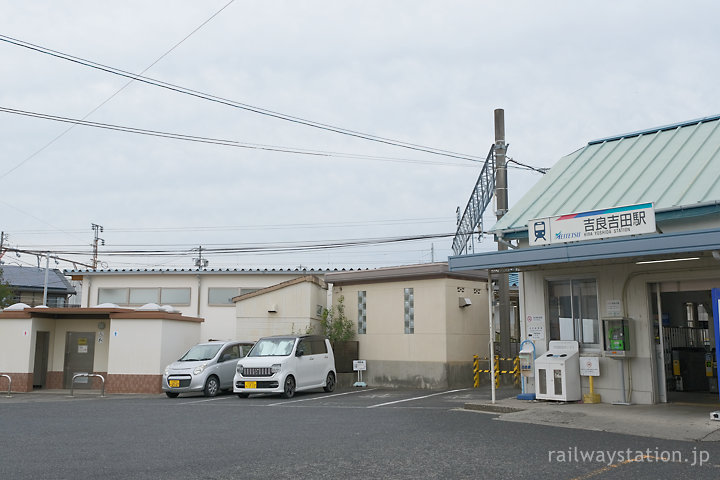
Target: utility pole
x,y
201,262
47,270
3,237
501,196
96,229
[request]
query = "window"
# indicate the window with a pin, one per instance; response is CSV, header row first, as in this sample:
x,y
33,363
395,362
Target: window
x,y
118,296
233,351
175,296
409,311
141,296
221,296
319,347
306,347
573,311
362,311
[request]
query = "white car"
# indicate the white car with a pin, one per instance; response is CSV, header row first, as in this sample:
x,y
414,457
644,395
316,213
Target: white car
x,y
206,367
286,364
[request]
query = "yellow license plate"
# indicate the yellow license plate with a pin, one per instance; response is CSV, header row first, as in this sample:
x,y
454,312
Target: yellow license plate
x,y
250,384
174,383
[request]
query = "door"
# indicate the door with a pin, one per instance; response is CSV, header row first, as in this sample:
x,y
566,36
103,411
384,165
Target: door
x,y
305,364
42,347
79,358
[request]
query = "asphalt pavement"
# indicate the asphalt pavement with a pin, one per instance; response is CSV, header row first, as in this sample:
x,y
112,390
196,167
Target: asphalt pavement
x,y
354,433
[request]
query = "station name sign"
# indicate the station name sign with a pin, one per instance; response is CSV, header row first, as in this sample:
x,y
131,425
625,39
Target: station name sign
x,y
594,225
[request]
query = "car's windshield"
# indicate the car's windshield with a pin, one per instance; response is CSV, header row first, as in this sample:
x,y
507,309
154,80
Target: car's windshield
x,y
272,347
200,352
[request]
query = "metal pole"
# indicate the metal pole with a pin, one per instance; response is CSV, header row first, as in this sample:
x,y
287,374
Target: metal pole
x,y
501,196
492,333
662,388
47,268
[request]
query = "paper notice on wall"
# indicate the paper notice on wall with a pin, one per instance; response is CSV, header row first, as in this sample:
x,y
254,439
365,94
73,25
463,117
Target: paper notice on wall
x,y
82,348
535,327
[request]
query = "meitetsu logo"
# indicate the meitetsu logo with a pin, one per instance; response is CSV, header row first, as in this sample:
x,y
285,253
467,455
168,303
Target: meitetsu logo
x,y
567,236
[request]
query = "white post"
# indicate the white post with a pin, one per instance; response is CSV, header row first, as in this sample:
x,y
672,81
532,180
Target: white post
x,y
492,335
47,268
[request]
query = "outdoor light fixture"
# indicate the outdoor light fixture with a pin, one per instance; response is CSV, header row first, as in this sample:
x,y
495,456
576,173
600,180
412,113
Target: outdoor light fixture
x,y
668,260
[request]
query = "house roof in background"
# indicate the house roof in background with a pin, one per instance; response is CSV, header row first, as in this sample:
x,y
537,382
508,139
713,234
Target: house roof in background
x,y
676,167
33,279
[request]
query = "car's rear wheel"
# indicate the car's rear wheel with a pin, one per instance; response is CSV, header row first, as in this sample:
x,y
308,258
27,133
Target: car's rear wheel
x,y
329,382
289,387
212,386
172,394
243,395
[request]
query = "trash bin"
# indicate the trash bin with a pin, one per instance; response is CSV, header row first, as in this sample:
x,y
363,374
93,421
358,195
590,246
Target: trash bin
x,y
557,372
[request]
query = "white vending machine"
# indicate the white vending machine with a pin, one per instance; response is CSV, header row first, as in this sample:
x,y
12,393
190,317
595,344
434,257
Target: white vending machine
x,y
557,372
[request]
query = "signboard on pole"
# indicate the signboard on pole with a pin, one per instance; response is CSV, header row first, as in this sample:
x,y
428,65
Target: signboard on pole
x,y
593,225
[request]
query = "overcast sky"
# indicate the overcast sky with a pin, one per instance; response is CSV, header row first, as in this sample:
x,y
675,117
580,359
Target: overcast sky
x,y
429,73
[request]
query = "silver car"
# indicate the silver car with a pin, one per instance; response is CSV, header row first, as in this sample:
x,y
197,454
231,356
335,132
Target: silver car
x,y
207,367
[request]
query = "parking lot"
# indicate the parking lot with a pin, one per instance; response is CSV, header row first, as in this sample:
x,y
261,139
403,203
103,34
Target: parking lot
x,y
368,433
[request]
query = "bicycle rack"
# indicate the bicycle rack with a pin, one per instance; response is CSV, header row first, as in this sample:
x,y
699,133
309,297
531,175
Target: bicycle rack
x,y
78,375
9,384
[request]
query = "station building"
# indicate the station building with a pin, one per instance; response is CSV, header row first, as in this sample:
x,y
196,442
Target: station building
x,y
624,231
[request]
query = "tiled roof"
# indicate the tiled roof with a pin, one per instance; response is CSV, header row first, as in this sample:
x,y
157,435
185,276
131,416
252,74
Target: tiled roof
x,y
32,278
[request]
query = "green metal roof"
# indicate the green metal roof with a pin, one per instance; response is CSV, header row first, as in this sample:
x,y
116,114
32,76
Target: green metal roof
x,y
676,167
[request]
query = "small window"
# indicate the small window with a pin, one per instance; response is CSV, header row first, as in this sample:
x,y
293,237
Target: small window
x,y
409,310
175,296
118,296
221,296
142,296
305,346
362,312
233,351
319,347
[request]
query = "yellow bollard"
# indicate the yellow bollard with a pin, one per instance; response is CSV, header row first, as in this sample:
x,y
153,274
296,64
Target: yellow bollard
x,y
496,373
476,371
591,397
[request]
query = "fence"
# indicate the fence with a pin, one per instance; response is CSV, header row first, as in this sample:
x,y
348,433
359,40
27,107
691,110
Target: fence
x,y
498,370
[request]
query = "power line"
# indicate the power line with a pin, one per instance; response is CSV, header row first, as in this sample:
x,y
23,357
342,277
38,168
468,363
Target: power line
x,y
528,167
275,247
263,227
236,104
63,133
215,141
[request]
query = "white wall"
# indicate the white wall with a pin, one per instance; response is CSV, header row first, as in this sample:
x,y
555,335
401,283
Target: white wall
x,y
220,321
296,310
15,342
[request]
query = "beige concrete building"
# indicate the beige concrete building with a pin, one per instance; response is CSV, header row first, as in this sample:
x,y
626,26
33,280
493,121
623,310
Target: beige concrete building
x,y
418,325
45,347
206,294
293,306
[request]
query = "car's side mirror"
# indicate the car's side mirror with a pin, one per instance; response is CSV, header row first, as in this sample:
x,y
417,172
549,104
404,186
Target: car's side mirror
x,y
225,358
299,352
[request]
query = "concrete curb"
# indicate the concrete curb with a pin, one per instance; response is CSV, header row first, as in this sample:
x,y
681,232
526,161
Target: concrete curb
x,y
492,408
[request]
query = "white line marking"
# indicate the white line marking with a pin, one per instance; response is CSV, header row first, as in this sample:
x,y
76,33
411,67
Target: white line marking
x,y
416,398
204,400
317,398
